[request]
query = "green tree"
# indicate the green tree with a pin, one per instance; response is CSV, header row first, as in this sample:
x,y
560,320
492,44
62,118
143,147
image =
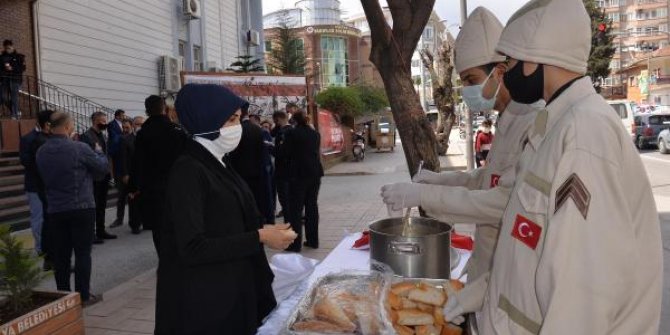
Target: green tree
x,y
602,46
20,272
373,99
246,64
344,101
287,54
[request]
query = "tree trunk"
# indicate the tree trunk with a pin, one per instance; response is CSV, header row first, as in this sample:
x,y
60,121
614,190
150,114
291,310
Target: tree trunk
x,y
391,53
443,94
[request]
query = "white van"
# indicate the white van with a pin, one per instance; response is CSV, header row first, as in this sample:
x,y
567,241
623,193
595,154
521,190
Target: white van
x,y
626,112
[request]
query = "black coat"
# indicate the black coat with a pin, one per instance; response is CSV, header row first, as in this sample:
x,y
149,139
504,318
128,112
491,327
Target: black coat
x,y
303,151
91,137
125,155
157,146
248,158
213,275
281,161
18,63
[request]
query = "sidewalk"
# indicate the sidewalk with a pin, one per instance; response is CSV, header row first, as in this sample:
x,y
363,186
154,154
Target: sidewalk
x,y
349,201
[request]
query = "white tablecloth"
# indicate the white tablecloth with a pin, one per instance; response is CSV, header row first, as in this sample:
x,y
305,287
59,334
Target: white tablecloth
x,y
341,258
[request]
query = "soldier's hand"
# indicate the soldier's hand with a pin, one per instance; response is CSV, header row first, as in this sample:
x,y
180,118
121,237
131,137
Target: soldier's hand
x,y
426,177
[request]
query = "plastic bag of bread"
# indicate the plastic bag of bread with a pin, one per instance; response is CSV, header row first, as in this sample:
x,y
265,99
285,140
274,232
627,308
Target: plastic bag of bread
x,y
343,303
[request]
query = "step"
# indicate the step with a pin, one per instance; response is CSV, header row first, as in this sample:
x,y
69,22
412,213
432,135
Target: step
x,y
14,213
15,201
11,170
11,190
6,161
11,180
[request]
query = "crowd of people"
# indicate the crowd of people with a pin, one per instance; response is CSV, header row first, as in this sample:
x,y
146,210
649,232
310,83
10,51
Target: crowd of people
x,y
68,176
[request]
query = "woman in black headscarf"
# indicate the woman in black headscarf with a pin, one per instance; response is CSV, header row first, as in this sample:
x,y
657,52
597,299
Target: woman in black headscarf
x,y
213,276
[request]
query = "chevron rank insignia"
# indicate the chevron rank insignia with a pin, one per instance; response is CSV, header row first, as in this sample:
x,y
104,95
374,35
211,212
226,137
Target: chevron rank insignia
x,y
573,188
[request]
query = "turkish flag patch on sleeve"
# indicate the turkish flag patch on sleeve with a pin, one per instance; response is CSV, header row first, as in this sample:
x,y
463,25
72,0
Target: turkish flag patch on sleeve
x,y
526,231
495,179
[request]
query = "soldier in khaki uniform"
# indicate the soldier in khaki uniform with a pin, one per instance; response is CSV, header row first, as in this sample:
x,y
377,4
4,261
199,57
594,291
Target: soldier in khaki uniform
x,y
475,197
579,250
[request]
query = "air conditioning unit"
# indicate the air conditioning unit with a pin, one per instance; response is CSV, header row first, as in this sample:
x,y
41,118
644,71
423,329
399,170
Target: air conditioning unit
x,y
253,38
192,9
169,71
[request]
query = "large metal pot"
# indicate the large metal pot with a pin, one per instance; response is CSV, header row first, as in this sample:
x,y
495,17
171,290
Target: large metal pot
x,y
423,253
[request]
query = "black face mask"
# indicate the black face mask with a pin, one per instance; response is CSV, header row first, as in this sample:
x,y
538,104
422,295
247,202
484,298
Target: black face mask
x,y
525,89
102,126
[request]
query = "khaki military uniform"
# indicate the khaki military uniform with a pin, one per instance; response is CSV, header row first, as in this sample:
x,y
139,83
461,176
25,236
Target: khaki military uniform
x,y
579,250
474,197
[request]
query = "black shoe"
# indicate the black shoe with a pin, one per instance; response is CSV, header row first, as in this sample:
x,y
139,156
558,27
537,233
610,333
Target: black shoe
x,y
311,245
98,240
106,236
117,223
280,214
92,300
135,231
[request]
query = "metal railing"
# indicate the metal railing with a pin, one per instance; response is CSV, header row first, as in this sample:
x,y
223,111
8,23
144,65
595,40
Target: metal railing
x,y
36,95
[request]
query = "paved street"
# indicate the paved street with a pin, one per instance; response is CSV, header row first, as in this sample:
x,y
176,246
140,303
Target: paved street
x,y
349,200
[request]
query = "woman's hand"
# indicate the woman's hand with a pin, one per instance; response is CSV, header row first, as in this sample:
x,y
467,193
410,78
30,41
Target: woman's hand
x,y
278,237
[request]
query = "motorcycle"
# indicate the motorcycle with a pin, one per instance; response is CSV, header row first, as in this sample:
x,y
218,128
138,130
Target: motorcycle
x,y
358,149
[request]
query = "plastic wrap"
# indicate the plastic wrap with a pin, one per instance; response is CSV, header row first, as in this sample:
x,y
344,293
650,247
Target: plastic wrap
x,y
289,270
342,303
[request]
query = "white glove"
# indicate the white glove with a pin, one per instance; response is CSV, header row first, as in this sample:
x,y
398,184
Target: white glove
x,y
427,177
402,195
453,311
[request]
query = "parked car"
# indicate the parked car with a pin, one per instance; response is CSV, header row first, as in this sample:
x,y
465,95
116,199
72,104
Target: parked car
x,y
664,141
648,127
625,109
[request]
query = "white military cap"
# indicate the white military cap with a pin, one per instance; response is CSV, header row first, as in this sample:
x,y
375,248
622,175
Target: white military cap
x,y
476,42
551,32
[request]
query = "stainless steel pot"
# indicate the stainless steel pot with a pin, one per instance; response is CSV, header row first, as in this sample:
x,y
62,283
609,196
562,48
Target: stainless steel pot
x,y
423,253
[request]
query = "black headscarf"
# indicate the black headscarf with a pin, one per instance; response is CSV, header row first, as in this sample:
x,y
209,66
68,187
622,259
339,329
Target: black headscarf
x,y
204,108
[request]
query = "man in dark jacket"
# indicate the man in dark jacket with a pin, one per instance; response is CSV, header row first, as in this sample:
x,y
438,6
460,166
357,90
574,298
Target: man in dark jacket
x,y
12,66
249,160
126,174
281,161
157,146
121,173
68,169
46,236
95,138
114,135
302,147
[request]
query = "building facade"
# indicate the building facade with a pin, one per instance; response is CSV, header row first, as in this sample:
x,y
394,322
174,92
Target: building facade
x,y
331,48
640,27
435,34
110,51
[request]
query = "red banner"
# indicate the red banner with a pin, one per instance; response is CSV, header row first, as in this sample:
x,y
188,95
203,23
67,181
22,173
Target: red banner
x,y
332,138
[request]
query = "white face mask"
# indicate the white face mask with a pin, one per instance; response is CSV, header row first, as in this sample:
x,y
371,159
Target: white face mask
x,y
229,138
474,98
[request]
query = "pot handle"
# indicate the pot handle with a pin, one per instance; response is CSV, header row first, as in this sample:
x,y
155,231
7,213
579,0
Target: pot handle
x,y
405,248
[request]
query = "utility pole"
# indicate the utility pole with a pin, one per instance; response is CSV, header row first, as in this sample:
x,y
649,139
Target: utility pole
x,y
469,150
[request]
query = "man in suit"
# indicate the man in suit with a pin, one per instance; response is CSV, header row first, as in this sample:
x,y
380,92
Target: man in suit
x,y
302,147
95,138
115,134
157,146
12,67
281,162
249,160
121,172
126,157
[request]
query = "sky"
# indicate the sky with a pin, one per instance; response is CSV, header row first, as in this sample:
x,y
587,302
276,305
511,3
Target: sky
x,y
447,9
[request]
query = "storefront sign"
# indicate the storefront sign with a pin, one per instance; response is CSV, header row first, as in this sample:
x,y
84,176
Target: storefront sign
x,y
336,30
332,138
265,94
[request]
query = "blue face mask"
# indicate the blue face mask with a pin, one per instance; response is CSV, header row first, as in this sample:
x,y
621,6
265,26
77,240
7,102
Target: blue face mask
x,y
473,97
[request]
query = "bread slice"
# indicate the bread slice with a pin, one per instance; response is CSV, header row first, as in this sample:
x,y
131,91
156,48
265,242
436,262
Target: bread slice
x,y
394,301
402,289
414,317
428,295
424,307
403,330
327,310
450,329
319,326
438,315
428,330
408,304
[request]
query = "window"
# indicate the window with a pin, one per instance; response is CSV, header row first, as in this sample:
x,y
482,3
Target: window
x,y
615,17
268,46
182,48
428,33
659,119
615,64
197,58
621,110
334,65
